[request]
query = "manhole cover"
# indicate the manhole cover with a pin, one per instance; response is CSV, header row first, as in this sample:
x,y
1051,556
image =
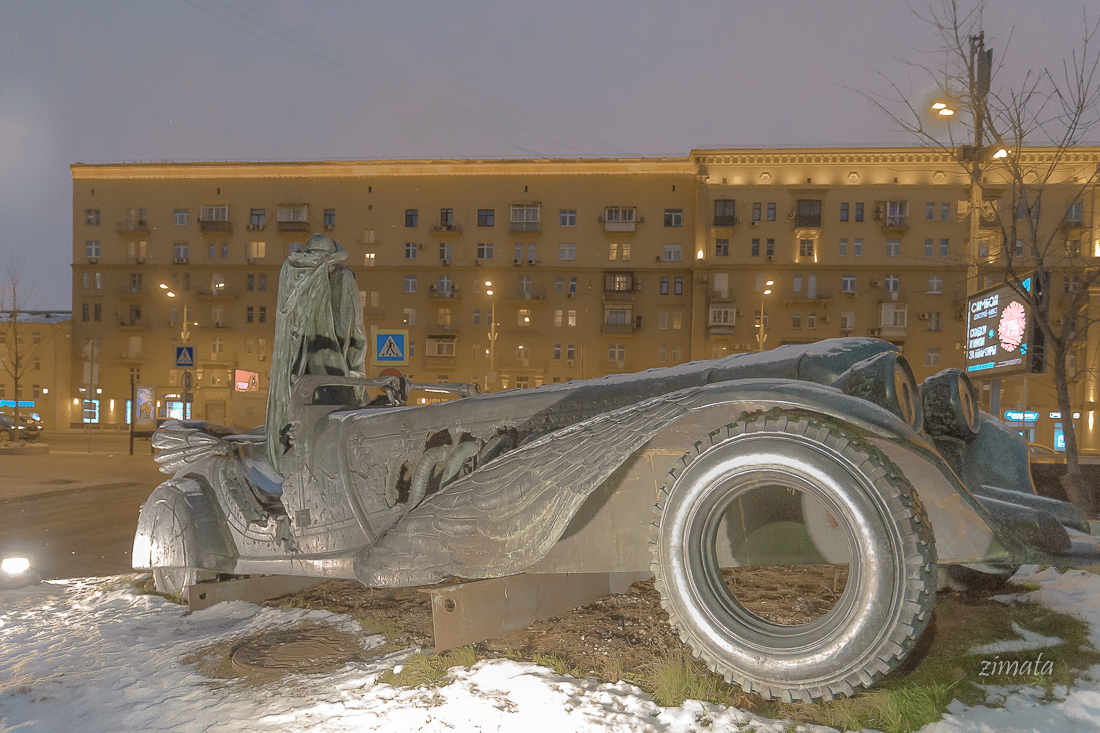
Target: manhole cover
x,y
296,650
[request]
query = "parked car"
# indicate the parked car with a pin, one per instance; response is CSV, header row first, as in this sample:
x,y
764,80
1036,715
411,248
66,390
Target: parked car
x,y
29,429
817,453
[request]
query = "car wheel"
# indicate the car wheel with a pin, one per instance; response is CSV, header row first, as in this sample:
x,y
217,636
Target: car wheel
x,y
175,581
886,602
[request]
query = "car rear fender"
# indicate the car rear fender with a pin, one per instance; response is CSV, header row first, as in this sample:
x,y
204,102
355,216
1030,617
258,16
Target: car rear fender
x,y
182,526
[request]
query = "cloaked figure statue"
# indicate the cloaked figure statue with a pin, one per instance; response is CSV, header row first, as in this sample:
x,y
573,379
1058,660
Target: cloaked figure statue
x,y
318,330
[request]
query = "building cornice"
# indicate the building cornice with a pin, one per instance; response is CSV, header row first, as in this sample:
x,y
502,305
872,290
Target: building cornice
x,y
384,168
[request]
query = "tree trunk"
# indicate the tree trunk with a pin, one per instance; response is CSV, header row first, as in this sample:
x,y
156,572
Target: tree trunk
x,y
1078,491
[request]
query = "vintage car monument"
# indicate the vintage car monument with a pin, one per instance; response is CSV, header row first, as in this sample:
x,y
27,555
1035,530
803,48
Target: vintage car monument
x,y
803,454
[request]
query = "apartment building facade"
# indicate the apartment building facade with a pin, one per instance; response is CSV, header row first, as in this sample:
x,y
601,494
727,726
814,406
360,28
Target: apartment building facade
x,y
594,266
41,359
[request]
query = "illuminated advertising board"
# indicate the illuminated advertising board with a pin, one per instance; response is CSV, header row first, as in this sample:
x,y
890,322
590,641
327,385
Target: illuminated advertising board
x,y
998,332
245,381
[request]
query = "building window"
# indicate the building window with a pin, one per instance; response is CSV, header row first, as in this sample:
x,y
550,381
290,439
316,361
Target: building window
x,y
329,218
811,320
214,212
408,316
180,252
672,253
842,249
86,312
97,312
930,211
1022,210
844,211
893,248
412,217
485,217
934,321
857,248
809,213
410,283
616,352
944,246
675,354
929,247
897,213
91,250
571,319
894,315
1074,214
848,321
754,251
257,218
248,314
91,217
567,217
677,320
664,286
263,314
212,250
722,284
945,211
410,250
724,212
612,251
932,357
620,214
217,347
443,317
848,283
859,211
181,217
721,315
674,217
935,283
619,282
440,346
796,284
626,251
756,211
662,320
722,248
769,248
256,250
263,282
677,286
525,217
444,250
573,285
557,319
485,250
796,320
771,212
225,250
805,248
567,251
557,352
368,259
559,284
570,352
523,317
616,315
890,283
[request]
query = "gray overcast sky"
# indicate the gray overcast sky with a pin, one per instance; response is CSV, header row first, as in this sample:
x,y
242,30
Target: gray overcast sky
x,y
285,79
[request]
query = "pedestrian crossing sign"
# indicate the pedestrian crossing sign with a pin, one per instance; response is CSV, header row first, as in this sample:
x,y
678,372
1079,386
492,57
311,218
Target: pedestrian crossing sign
x,y
185,356
390,347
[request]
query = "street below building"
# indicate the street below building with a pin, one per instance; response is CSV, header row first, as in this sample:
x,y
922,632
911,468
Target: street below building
x,y
74,512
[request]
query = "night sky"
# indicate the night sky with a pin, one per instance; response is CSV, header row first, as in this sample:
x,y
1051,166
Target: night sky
x,y
283,80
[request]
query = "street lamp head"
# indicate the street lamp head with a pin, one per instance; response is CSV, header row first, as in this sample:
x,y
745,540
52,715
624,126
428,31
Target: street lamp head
x,y
767,292
488,283
946,112
163,286
488,292
769,283
1001,153
939,106
170,294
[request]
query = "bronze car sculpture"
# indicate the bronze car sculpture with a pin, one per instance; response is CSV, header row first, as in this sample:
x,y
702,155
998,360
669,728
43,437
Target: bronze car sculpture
x,y
827,452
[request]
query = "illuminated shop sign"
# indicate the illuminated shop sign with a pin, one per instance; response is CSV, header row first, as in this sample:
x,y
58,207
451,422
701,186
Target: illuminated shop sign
x,y
998,331
1021,416
1058,416
244,381
11,403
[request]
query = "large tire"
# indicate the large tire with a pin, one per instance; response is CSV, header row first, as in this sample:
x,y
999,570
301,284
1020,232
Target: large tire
x,y
891,587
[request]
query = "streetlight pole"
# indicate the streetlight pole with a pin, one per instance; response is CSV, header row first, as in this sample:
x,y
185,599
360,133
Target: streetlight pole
x,y
491,377
761,337
185,334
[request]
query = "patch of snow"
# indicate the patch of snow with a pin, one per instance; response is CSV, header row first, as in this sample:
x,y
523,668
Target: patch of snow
x,y
94,655
1028,640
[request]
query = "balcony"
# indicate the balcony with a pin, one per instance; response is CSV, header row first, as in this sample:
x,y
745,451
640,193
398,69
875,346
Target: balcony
x,y
524,226
292,226
619,296
719,329
222,293
528,296
725,220
215,225
133,357
448,362
440,329
133,324
448,294
1073,225
807,221
137,227
617,329
442,228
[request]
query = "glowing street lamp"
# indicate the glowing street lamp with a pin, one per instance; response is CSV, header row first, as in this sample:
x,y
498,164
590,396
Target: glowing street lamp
x,y
492,375
761,337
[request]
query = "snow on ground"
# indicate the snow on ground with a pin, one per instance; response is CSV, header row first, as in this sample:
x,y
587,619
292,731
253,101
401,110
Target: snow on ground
x,y
98,656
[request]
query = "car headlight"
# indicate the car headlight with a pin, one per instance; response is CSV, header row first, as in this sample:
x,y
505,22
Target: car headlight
x,y
16,572
15,565
950,404
887,380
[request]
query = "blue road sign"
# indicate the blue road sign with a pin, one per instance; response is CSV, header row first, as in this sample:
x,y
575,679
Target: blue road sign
x,y
391,347
185,356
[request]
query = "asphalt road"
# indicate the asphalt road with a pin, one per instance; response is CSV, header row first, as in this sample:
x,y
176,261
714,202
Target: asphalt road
x,y
74,512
